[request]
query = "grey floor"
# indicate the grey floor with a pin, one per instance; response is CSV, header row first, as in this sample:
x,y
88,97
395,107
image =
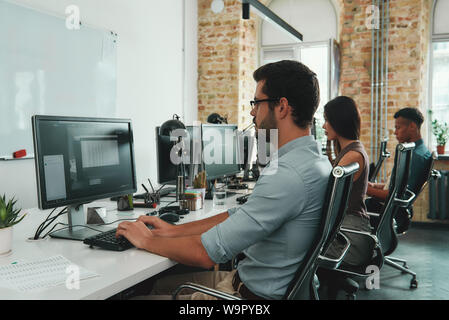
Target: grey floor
x,y
426,250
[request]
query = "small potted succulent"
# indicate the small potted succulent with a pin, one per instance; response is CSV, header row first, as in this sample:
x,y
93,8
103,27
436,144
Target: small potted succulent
x,y
441,133
9,216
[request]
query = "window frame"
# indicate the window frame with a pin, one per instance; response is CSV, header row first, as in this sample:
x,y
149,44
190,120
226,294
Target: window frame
x,y
434,37
332,44
296,49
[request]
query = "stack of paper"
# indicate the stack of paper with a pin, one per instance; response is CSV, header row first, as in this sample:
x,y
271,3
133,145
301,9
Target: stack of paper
x,y
41,274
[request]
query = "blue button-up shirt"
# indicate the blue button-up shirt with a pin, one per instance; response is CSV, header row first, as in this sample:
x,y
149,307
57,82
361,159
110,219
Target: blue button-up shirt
x,y
277,225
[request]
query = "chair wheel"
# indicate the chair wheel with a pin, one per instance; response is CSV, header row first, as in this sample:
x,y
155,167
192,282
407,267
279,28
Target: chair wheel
x,y
413,284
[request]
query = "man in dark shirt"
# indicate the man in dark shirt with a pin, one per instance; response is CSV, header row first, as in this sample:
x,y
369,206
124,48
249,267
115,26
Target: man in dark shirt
x,y
408,123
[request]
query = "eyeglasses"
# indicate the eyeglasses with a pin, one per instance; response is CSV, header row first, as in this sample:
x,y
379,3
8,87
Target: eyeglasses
x,y
254,103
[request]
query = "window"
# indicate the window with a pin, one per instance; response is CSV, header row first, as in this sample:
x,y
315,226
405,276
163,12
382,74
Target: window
x,y
439,97
316,57
317,51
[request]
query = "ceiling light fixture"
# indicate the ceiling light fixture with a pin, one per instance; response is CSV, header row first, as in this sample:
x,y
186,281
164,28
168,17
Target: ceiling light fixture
x,y
270,16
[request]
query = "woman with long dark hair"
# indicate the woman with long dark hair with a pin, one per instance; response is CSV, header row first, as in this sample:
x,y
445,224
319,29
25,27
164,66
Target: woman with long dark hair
x,y
342,128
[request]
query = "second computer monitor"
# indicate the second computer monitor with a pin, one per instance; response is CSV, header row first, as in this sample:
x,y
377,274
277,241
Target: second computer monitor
x,y
220,150
167,170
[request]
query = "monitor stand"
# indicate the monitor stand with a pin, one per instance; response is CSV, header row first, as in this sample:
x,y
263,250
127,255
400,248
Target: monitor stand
x,y
76,229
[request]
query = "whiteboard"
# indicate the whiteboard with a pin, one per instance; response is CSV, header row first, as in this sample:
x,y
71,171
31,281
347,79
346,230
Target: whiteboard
x,y
47,69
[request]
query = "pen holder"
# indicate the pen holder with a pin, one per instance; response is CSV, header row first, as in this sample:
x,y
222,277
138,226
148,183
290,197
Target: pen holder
x,y
151,198
194,199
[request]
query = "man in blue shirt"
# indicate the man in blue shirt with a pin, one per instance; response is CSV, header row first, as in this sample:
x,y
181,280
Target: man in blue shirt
x,y
279,222
408,123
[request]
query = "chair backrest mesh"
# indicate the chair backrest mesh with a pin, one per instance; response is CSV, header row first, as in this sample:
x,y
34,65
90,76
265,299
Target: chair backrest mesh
x,y
398,185
334,208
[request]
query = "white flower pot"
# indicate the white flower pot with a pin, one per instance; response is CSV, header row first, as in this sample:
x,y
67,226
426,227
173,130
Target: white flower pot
x,y
5,240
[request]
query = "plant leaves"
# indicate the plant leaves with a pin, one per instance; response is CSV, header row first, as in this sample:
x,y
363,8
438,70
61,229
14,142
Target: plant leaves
x,y
8,214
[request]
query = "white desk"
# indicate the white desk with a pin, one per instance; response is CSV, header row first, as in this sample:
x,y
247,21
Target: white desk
x,y
117,270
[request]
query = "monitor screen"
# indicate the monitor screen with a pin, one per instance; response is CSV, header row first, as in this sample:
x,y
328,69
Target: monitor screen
x,y
166,170
220,150
79,160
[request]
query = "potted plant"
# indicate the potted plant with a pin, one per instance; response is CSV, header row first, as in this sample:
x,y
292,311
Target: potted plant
x,y
441,133
9,216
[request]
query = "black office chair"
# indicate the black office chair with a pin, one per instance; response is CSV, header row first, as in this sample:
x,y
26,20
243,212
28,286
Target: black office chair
x,y
399,197
407,209
304,285
383,154
405,215
383,237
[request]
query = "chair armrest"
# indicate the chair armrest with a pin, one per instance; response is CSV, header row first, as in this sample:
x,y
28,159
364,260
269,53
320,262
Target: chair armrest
x,y
206,290
365,233
435,174
373,214
406,202
334,263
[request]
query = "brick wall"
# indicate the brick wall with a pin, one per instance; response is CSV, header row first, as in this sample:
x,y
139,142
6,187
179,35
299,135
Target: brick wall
x,y
227,56
355,44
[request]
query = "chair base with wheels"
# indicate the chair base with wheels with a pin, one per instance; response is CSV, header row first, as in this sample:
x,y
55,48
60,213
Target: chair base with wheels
x,y
345,276
391,261
336,282
405,211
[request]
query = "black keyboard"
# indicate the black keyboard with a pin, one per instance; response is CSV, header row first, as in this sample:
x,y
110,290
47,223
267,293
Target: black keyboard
x,y
107,240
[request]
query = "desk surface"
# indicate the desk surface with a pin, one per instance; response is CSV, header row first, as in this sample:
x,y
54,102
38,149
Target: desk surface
x,y
117,270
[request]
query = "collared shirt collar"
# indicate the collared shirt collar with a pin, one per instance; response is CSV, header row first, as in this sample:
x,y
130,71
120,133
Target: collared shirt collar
x,y
419,142
301,141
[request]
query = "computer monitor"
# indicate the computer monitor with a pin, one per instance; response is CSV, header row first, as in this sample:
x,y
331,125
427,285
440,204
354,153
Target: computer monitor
x,y
79,160
194,161
166,169
221,154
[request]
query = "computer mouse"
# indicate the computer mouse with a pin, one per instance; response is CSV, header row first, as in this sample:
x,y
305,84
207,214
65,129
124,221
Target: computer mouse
x,y
182,212
170,217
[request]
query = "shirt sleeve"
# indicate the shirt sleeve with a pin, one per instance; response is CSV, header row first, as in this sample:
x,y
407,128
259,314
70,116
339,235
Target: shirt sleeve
x,y
231,211
270,205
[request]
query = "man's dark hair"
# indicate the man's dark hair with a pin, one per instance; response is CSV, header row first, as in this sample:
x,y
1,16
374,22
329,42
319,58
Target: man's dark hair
x,y
411,114
344,117
294,81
